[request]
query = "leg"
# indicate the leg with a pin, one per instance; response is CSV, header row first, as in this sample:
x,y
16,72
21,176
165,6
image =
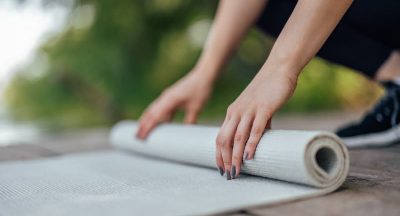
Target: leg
x,y
390,70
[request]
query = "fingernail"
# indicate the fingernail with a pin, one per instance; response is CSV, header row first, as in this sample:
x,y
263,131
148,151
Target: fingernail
x,y
221,171
228,175
233,171
246,156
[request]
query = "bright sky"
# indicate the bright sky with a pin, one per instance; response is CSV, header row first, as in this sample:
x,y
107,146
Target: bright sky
x,y
22,29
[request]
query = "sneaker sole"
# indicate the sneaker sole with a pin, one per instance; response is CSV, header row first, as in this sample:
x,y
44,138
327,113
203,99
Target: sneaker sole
x,y
380,139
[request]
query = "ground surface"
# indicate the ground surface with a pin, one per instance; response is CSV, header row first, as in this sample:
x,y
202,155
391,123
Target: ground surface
x,y
372,187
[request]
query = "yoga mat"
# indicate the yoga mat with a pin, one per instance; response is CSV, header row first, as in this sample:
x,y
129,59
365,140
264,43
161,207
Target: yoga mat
x,y
173,173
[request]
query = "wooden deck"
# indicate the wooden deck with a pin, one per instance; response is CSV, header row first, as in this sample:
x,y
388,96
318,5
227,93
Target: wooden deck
x,y
372,187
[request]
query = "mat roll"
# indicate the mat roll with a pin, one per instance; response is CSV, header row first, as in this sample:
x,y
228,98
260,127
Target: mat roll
x,y
314,158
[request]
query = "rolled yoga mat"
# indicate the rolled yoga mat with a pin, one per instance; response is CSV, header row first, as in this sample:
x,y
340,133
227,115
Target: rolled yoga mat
x,y
313,158
172,173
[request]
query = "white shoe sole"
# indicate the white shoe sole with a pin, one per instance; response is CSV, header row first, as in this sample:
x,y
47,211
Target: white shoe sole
x,y
380,139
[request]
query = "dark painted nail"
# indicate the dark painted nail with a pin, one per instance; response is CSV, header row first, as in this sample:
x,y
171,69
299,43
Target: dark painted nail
x,y
221,171
233,171
228,175
246,156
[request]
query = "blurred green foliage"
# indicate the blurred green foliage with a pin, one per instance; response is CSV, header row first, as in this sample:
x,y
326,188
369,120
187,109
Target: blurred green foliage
x,y
114,57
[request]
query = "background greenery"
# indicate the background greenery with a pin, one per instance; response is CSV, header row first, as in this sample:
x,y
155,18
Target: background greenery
x,y
115,57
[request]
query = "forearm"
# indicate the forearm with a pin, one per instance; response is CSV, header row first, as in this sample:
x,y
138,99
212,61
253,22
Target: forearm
x,y
310,24
232,21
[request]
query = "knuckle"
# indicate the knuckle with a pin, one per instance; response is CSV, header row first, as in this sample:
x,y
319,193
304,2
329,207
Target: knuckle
x,y
221,141
262,105
148,118
236,158
155,117
227,163
257,132
168,94
239,137
227,146
153,113
252,144
218,140
230,109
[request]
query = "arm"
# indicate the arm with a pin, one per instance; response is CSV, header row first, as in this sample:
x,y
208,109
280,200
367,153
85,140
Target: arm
x,y
232,21
250,114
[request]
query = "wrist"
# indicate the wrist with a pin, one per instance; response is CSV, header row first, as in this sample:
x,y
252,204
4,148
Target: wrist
x,y
280,69
205,72
280,78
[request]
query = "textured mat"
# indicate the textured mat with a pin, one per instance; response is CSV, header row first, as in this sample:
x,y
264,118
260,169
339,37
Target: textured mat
x,y
179,177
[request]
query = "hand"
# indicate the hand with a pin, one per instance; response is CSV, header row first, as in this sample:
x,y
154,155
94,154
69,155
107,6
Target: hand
x,y
190,94
247,118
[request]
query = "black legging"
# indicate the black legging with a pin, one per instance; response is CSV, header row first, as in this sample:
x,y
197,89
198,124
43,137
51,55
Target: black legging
x,y
363,39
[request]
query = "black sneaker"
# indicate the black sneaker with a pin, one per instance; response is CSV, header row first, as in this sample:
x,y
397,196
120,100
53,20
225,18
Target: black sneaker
x,y
380,126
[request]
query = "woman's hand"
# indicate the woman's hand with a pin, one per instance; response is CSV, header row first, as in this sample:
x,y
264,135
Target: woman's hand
x,y
189,93
304,33
247,118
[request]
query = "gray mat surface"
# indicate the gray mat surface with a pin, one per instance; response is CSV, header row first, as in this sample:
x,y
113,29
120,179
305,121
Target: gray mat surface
x,y
118,182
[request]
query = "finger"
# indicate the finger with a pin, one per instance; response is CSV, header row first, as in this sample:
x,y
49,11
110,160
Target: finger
x,y
154,122
220,162
191,115
148,124
218,154
160,111
241,136
257,130
142,122
224,140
